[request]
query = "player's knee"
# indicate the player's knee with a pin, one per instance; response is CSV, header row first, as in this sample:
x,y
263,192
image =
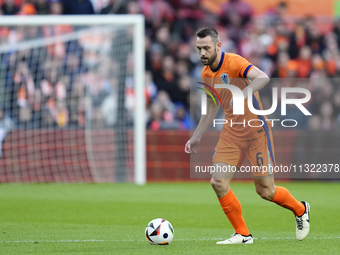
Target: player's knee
x,y
216,183
220,184
266,193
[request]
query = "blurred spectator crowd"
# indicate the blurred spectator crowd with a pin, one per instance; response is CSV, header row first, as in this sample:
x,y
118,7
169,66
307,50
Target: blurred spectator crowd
x,y
53,89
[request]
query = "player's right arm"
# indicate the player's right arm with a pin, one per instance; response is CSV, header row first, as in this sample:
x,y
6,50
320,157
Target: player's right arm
x,y
205,122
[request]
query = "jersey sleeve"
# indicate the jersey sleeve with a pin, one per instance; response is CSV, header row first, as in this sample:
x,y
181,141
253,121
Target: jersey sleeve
x,y
207,83
204,77
241,66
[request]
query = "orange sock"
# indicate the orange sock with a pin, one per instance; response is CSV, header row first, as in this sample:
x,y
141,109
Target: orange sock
x,y
232,208
285,199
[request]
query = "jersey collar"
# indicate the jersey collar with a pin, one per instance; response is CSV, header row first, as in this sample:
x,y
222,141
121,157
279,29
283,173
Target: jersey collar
x,y
220,64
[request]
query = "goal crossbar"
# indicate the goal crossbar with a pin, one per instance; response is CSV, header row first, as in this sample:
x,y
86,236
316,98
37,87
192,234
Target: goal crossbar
x,y
76,20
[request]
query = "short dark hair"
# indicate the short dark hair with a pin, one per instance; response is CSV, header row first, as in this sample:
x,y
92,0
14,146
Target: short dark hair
x,y
207,31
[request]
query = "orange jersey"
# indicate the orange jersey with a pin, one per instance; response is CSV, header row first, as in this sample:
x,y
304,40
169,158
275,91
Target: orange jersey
x,y
233,69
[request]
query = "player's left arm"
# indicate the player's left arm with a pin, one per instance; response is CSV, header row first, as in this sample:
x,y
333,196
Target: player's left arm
x,y
258,80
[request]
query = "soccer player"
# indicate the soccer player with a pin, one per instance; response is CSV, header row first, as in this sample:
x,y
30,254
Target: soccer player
x,y
239,141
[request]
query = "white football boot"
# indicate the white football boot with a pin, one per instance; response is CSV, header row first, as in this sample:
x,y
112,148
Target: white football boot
x,y
237,239
302,223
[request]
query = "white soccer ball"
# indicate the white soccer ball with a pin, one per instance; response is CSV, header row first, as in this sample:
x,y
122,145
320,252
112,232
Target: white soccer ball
x,y
159,231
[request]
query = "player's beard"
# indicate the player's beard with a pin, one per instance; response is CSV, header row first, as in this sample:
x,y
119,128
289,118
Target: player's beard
x,y
211,59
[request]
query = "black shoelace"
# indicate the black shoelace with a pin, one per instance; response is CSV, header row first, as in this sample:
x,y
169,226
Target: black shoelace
x,y
299,223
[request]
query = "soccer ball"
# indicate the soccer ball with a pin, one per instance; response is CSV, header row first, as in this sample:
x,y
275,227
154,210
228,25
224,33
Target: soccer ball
x,y
159,231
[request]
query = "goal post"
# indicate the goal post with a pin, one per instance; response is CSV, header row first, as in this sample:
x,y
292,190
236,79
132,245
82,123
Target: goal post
x,y
36,151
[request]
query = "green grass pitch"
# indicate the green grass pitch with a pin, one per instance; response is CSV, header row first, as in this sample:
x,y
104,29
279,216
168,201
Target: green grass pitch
x,y
111,219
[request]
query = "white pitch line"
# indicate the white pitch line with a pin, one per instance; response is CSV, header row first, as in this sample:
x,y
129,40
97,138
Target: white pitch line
x,y
142,240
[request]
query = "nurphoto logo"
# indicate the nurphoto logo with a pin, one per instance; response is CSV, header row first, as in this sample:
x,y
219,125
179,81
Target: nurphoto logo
x,y
238,103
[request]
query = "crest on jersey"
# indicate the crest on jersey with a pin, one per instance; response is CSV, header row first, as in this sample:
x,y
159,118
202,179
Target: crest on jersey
x,y
225,78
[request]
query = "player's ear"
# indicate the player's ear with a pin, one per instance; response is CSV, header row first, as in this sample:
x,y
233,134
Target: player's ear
x,y
219,45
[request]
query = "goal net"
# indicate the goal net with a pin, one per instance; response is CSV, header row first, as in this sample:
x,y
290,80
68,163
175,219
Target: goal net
x,y
72,99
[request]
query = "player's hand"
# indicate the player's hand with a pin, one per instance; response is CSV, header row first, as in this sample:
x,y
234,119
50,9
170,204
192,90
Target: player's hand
x,y
192,145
